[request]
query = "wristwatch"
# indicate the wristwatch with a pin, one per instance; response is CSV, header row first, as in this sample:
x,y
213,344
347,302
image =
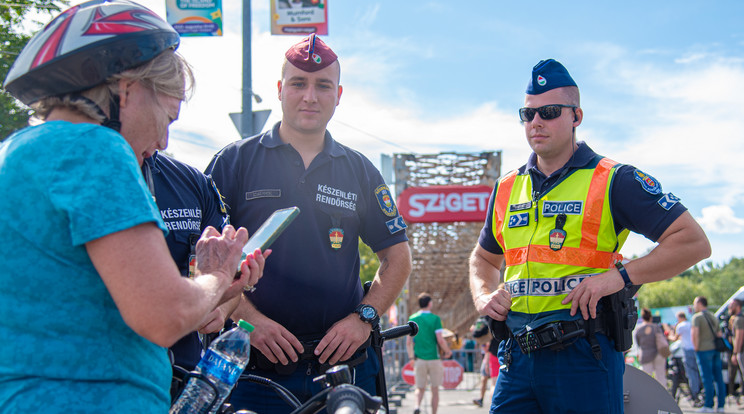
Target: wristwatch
x,y
368,314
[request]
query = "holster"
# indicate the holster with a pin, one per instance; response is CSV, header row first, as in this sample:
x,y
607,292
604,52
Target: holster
x,y
499,330
621,315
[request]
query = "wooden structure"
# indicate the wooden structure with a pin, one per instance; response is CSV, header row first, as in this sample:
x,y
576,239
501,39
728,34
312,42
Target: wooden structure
x,y
441,250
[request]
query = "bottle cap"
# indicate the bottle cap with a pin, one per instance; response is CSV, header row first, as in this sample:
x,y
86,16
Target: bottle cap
x,y
245,325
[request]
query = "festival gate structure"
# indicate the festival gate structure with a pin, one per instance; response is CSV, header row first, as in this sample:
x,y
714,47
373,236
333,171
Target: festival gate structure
x,y
443,198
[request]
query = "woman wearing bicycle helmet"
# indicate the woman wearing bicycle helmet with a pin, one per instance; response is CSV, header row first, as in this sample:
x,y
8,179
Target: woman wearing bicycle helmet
x,y
89,294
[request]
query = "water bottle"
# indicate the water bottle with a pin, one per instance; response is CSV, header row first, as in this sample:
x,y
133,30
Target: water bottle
x,y
222,364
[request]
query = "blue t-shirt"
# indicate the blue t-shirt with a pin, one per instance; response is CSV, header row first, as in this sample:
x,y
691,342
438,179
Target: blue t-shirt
x,y
188,202
65,347
311,280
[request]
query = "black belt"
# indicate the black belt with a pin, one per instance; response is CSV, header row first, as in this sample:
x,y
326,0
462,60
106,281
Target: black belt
x,y
557,335
258,361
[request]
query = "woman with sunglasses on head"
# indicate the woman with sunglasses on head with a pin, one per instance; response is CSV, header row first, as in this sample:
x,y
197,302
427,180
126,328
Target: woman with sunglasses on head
x,y
90,296
558,223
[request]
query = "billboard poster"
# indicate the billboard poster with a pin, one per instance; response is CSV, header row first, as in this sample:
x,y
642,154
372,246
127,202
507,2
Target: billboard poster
x,y
195,17
299,17
444,203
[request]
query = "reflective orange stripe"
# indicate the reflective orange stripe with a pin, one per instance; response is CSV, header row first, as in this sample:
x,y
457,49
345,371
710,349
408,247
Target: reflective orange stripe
x,y
565,256
503,192
593,212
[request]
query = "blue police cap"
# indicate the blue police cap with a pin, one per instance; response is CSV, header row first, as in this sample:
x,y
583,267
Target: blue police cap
x,y
546,75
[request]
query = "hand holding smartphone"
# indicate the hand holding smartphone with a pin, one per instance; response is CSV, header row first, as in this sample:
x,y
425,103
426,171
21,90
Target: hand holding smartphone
x,y
269,231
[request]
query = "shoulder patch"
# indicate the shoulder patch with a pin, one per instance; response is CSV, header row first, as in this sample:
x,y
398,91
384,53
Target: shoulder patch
x,y
395,225
223,207
648,182
667,201
385,200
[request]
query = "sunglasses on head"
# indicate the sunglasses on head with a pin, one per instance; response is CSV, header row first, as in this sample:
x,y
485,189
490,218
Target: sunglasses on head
x,y
546,112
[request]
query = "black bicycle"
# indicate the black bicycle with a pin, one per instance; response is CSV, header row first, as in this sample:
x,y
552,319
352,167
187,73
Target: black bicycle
x,y
338,394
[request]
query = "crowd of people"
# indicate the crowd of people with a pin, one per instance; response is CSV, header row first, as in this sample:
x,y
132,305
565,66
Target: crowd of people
x,y
694,358
129,253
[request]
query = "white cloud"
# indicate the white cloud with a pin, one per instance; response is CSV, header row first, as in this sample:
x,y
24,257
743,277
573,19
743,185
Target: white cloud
x,y
721,219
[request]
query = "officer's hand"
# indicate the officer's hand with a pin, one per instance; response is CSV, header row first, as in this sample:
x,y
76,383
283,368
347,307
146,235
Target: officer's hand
x,y
343,339
274,341
496,304
587,294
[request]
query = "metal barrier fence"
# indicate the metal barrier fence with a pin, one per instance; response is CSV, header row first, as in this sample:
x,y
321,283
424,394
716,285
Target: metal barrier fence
x,y
395,357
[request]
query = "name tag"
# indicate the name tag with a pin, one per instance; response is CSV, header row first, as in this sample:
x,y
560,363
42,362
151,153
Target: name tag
x,y
521,206
551,208
268,193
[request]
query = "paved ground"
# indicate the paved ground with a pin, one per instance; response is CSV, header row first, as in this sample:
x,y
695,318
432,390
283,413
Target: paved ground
x,y
460,401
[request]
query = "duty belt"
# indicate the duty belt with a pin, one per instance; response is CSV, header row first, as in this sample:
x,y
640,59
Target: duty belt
x,y
558,335
260,362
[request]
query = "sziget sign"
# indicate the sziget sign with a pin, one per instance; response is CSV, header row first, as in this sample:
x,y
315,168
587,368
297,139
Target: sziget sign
x,y
444,203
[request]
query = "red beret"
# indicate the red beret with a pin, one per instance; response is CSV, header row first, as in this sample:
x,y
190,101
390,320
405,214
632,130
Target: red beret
x,y
310,54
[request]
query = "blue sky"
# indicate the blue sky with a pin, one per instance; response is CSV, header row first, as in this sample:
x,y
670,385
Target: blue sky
x,y
662,87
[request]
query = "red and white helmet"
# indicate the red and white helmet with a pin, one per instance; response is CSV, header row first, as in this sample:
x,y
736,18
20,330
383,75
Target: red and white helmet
x,y
85,45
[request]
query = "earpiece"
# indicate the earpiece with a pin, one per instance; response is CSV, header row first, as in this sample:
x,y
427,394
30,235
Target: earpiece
x,y
576,118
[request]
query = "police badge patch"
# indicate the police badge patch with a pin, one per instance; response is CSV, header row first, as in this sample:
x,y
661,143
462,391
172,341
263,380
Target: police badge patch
x,y
667,201
336,235
648,182
385,200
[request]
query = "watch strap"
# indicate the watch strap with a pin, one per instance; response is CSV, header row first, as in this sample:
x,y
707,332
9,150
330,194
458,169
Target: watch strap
x,y
624,273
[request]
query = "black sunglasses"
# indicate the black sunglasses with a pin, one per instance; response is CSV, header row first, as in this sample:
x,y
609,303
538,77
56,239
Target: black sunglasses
x,y
546,112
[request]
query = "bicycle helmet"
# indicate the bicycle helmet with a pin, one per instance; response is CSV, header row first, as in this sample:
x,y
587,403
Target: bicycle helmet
x,y
85,45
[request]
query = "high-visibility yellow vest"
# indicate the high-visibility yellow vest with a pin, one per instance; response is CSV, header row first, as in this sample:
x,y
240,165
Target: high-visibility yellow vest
x,y
542,266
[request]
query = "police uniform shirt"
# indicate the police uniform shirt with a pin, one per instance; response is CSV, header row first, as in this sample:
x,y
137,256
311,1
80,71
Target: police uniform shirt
x,y
188,202
636,199
311,280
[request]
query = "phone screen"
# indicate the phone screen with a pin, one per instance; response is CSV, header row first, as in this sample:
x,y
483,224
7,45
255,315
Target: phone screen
x,y
270,229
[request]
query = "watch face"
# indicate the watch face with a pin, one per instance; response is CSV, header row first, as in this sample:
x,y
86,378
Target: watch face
x,y
368,312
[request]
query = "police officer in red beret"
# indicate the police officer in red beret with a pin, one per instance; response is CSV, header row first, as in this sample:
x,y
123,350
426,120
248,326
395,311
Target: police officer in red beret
x,y
313,313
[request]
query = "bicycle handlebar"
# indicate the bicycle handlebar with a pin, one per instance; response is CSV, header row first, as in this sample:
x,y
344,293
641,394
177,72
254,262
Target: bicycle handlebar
x,y
397,331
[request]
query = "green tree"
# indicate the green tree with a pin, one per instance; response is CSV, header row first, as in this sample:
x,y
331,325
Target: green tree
x,y
715,283
368,263
16,24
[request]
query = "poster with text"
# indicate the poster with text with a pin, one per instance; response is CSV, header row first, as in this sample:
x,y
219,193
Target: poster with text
x,y
195,17
299,17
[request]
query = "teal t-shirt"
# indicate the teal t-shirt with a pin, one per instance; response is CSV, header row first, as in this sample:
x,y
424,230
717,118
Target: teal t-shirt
x,y
65,347
425,342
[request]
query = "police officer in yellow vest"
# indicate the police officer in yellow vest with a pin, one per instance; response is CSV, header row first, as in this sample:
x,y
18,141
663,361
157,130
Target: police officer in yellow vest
x,y
558,223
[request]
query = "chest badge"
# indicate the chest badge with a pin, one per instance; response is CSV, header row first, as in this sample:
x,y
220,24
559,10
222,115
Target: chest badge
x,y
336,235
558,235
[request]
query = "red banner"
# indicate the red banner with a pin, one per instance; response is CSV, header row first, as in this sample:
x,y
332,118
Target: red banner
x,y
444,203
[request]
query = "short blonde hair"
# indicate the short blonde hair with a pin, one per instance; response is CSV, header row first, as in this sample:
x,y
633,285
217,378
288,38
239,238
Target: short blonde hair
x,y
168,73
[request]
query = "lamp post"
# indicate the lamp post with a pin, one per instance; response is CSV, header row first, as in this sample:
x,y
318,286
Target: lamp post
x,y
247,122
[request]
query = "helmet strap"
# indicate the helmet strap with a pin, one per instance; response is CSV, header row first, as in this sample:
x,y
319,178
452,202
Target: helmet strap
x,y
113,121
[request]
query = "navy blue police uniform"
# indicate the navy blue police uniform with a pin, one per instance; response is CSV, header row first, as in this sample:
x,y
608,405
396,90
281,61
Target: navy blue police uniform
x,y
637,204
312,279
188,202
552,380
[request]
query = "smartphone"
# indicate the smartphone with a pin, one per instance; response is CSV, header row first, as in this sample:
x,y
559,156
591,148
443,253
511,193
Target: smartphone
x,y
270,229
